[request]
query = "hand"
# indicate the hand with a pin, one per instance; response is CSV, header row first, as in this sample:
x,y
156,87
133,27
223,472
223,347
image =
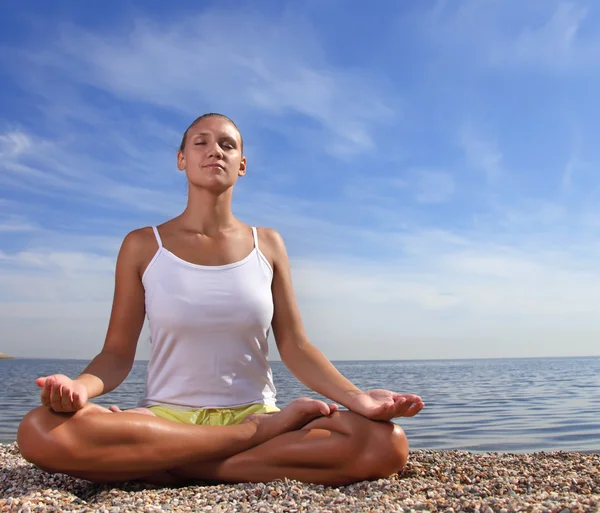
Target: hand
x,y
385,405
61,393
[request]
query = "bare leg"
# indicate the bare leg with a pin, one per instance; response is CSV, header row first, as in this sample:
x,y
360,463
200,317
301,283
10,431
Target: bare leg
x,y
94,440
335,450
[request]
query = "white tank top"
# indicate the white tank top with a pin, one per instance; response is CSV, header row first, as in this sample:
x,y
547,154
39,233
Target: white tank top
x,y
208,327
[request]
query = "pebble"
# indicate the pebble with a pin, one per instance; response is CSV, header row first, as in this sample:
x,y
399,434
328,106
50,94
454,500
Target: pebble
x,y
433,481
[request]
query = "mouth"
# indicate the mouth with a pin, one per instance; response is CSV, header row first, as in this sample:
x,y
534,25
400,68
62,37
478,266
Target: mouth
x,y
215,166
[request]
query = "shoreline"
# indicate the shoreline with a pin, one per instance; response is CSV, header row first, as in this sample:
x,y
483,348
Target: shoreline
x,y
434,480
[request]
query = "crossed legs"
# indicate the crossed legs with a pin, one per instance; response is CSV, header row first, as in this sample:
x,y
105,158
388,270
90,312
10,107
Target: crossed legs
x,y
297,443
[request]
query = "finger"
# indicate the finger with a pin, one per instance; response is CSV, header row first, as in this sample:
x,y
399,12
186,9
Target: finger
x,y
401,406
55,397
419,407
41,381
45,393
404,410
78,401
66,402
114,408
414,409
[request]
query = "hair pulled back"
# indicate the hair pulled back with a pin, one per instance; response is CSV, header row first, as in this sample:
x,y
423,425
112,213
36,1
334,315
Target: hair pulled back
x,y
209,115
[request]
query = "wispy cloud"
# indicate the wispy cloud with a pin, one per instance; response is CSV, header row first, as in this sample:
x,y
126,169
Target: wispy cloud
x,y
458,286
481,153
421,203
552,36
17,224
559,43
13,144
191,64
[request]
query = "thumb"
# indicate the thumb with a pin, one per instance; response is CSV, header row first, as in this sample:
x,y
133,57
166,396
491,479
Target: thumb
x,y
40,381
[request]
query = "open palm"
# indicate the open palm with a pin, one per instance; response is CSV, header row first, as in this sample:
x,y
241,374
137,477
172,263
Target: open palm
x,y
385,405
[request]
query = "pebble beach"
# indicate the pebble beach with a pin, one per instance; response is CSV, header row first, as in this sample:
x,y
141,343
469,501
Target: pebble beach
x,y
450,481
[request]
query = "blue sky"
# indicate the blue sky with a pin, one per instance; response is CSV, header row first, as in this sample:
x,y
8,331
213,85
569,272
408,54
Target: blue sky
x,y
431,165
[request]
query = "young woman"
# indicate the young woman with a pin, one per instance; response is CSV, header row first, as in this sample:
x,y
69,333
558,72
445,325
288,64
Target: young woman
x,y
212,287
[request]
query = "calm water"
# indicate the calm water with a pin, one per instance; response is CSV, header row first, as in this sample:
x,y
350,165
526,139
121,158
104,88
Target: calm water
x,y
512,405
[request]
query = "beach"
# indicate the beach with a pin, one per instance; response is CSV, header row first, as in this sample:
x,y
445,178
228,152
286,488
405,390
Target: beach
x,y
450,481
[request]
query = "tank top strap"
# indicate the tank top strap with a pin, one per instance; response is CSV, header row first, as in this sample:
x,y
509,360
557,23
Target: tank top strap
x,y
255,235
155,229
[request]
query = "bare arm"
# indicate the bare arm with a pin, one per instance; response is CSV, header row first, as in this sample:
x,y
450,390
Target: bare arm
x,y
112,365
110,368
299,355
310,366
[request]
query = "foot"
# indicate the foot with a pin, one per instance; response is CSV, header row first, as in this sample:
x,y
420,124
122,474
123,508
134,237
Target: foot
x,y
143,411
294,416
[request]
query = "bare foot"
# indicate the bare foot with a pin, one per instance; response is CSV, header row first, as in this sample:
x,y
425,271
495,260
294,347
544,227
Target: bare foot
x,y
294,416
143,411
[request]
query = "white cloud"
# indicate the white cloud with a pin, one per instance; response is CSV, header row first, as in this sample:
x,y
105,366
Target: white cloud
x,y
418,290
554,44
13,144
13,223
454,298
549,36
56,170
259,67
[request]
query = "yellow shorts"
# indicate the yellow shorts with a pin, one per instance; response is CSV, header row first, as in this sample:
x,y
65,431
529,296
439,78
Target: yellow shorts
x,y
211,416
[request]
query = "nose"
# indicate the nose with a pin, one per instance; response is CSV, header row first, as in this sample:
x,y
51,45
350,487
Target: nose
x,y
214,150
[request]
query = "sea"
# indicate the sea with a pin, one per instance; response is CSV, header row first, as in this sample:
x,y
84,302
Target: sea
x,y
481,405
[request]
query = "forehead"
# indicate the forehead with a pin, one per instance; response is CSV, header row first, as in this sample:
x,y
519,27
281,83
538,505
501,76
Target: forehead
x,y
216,126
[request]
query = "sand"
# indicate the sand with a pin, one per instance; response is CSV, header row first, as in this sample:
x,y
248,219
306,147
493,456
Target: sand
x,y
451,481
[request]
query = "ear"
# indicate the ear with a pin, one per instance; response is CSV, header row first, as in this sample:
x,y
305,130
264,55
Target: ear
x,y
181,164
242,170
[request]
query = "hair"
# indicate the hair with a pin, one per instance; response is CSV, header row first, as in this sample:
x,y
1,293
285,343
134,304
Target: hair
x,y
209,115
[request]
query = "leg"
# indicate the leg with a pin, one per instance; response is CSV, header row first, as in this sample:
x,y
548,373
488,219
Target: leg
x,y
97,443
336,450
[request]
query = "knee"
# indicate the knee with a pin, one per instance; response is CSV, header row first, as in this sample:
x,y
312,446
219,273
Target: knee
x,y
385,451
398,455
34,439
28,435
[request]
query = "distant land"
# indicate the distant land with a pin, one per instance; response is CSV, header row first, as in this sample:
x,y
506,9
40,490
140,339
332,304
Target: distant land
x,y
5,357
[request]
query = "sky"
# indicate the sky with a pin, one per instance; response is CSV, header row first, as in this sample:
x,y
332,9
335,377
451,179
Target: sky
x,y
430,165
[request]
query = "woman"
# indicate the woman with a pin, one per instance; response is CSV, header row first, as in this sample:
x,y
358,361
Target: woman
x,y
212,287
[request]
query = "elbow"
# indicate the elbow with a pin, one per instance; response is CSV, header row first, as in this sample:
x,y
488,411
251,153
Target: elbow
x,y
120,360
289,348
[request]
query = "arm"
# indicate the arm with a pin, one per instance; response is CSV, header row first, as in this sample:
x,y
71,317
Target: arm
x,y
112,365
309,364
110,368
299,355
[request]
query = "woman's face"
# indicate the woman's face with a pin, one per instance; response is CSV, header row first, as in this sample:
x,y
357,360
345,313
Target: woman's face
x,y
212,156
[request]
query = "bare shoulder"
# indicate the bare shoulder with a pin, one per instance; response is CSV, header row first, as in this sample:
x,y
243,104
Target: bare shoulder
x,y
138,248
272,245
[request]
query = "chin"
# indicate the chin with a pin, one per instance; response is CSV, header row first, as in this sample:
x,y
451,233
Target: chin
x,y
213,186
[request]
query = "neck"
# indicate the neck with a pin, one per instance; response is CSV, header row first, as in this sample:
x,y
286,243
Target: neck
x,y
208,213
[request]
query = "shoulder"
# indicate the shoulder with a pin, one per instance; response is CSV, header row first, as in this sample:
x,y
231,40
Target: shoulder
x,y
272,245
138,247
139,239
270,237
